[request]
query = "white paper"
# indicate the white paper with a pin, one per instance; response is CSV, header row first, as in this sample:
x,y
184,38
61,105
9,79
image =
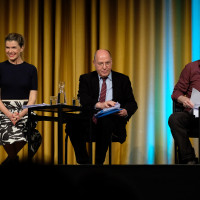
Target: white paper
x,y
103,112
117,105
35,105
195,98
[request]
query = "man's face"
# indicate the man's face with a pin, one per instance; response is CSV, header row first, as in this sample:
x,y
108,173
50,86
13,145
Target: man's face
x,y
103,63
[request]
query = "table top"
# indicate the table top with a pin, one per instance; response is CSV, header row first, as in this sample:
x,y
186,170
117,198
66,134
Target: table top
x,y
62,107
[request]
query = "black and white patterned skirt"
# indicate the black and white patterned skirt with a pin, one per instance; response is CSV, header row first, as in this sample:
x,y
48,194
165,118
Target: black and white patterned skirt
x,y
10,133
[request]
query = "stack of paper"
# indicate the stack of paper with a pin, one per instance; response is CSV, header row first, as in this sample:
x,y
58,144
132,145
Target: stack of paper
x,y
35,105
108,111
195,98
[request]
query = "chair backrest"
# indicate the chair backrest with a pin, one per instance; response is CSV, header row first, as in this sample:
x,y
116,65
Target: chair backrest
x,y
177,107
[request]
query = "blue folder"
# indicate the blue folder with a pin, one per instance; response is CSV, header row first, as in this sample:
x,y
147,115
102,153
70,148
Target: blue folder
x,y
107,112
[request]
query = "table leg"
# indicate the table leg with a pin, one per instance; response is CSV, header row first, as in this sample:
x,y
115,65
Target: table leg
x,y
29,134
66,143
60,136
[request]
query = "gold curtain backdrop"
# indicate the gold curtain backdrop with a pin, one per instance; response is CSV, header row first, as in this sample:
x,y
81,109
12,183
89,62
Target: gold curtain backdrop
x,y
61,39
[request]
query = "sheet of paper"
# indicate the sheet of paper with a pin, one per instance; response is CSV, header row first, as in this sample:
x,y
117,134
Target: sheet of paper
x,y
117,105
195,98
107,111
35,105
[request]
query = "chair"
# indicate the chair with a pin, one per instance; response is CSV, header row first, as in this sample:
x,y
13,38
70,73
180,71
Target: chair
x,y
113,139
194,131
90,141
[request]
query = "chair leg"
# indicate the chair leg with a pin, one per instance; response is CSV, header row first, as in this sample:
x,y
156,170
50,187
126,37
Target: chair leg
x,y
199,149
176,153
90,142
199,137
110,153
90,152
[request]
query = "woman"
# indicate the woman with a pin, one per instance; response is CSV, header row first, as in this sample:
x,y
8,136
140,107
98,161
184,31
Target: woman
x,y
18,83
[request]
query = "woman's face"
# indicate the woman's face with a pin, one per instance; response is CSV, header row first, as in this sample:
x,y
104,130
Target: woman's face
x,y
13,50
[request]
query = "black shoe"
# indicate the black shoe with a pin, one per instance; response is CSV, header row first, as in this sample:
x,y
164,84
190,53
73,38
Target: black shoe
x,y
83,161
192,162
8,161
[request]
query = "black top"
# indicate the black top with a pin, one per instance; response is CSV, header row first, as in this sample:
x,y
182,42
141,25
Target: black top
x,y
16,81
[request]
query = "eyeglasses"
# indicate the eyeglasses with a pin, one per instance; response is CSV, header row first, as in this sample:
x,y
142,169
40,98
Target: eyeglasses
x,y
101,64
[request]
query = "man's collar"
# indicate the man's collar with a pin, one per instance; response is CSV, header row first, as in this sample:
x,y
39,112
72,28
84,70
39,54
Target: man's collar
x,y
109,76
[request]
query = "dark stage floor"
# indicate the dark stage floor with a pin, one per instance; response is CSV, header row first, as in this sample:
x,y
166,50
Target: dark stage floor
x,y
122,181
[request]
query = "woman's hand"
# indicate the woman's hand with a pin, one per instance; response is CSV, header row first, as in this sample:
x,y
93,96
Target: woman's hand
x,y
17,116
12,117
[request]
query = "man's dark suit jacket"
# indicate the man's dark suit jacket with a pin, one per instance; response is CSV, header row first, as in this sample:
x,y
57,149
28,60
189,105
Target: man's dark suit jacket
x,y
122,93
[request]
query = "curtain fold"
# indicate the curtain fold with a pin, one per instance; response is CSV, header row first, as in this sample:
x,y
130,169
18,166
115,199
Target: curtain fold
x,y
150,41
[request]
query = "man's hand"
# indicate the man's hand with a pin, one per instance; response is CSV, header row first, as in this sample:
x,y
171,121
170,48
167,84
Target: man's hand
x,y
106,104
122,113
185,101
